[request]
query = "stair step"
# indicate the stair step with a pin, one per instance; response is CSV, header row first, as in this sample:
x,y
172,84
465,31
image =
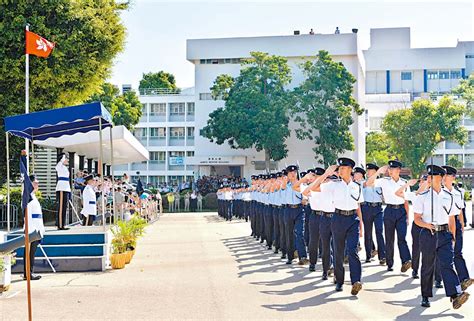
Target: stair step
x,y
93,238
65,250
64,264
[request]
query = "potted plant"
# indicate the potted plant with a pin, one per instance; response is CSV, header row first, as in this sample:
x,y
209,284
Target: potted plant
x,y
137,226
5,272
118,256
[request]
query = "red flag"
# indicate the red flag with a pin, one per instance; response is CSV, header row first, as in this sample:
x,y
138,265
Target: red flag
x,y
37,45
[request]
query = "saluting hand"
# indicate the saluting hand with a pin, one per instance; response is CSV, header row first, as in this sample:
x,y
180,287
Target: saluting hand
x,y
412,182
382,170
331,170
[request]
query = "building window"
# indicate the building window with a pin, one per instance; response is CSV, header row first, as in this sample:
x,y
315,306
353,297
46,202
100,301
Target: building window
x,y
177,109
177,154
158,156
190,108
176,132
158,132
190,153
455,74
216,61
158,109
140,132
375,123
143,109
432,74
190,132
406,75
443,74
205,96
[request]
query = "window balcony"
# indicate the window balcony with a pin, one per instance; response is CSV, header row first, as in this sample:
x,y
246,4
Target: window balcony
x,y
176,167
190,117
157,141
156,165
176,117
138,166
190,141
176,141
157,118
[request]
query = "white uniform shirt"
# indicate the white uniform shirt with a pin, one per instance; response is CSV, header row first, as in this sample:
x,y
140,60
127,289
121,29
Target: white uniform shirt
x,y
35,216
228,195
302,188
458,202
322,201
346,197
63,178
88,201
442,206
389,187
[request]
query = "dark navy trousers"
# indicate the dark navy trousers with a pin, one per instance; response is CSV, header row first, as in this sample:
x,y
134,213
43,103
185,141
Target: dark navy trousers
x,y
415,248
313,233
294,220
395,219
307,213
438,245
281,222
276,227
373,216
345,231
325,234
459,262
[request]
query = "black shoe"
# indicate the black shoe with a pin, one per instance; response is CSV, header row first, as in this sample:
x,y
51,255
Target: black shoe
x,y
338,287
63,228
312,267
415,275
356,287
459,299
261,241
33,277
368,260
383,261
269,247
425,302
325,276
438,285
390,269
275,251
289,261
331,271
283,256
406,266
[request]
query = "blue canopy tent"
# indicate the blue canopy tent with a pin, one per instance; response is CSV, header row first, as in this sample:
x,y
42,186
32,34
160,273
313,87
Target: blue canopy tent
x,y
41,125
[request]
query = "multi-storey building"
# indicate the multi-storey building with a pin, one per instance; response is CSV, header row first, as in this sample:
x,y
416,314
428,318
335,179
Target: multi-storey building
x,y
167,130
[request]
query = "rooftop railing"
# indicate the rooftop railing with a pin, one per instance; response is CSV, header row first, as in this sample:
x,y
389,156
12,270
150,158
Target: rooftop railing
x,y
159,91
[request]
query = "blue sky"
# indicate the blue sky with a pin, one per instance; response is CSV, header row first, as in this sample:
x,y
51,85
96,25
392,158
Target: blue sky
x,y
157,30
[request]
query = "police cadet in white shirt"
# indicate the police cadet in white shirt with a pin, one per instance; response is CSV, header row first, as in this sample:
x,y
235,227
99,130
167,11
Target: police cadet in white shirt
x,y
35,223
395,213
459,262
89,206
346,223
63,190
316,203
435,212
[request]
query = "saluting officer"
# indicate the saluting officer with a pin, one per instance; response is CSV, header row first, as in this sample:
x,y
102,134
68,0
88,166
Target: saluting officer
x,y
89,207
346,223
395,213
459,262
372,215
63,190
434,212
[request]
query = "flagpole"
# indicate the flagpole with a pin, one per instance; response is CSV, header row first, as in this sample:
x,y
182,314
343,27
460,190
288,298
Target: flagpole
x,y
27,249
27,95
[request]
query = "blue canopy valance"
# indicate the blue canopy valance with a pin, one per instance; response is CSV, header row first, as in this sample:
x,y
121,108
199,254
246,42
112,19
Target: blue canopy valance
x,y
58,122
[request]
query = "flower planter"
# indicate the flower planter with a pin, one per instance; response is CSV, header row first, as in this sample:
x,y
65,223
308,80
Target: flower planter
x,y
128,256
117,261
5,273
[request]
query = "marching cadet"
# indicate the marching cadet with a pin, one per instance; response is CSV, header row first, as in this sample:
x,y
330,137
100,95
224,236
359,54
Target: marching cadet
x,y
281,216
294,218
346,223
395,213
274,190
228,202
35,223
268,213
247,199
459,262
89,207
372,216
63,191
434,213
317,204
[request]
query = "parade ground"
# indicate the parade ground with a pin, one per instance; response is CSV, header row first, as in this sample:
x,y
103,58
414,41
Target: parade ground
x,y
197,266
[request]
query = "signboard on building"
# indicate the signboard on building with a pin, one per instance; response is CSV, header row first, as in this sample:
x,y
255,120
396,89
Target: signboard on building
x,y
176,160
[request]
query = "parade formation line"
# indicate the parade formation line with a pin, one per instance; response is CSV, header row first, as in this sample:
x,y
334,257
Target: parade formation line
x,y
199,266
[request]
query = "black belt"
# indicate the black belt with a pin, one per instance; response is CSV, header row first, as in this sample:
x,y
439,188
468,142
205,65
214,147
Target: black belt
x,y
321,213
345,213
375,204
293,205
395,206
441,228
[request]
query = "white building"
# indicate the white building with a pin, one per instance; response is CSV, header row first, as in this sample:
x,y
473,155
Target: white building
x,y
213,57
166,129
397,74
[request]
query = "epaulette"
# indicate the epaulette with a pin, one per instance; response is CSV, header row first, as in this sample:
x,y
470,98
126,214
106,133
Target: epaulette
x,y
444,189
423,193
403,180
386,177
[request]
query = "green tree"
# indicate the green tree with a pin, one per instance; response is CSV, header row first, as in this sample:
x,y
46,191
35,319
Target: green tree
x,y
466,90
88,36
454,161
415,132
158,80
324,107
125,109
255,112
377,148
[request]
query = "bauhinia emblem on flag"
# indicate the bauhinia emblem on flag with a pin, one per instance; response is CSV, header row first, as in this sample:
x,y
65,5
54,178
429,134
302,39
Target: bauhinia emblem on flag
x,y
37,45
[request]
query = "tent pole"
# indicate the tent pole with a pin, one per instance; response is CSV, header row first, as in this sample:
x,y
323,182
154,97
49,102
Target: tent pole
x,y
112,173
32,155
7,135
101,159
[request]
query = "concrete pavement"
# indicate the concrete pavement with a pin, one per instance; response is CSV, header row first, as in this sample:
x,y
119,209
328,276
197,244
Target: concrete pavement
x,y
196,266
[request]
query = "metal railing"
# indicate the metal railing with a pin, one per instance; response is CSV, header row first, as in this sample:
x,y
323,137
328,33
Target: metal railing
x,y
14,218
159,91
